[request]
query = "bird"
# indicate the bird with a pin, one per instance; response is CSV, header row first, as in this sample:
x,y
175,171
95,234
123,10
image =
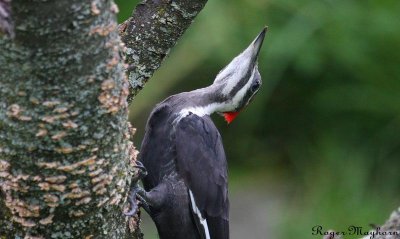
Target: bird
x,y
182,160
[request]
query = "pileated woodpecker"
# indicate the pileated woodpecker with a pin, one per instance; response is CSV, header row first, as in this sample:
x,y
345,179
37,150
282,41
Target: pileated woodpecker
x,y
187,181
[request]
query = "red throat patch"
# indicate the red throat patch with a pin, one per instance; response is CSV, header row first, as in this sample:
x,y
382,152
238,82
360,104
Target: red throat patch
x,y
230,116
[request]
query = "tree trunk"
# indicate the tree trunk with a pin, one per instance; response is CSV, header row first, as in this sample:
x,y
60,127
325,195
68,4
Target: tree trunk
x,y
65,154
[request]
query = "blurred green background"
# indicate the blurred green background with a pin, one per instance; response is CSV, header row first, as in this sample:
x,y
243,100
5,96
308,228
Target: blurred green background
x,y
320,144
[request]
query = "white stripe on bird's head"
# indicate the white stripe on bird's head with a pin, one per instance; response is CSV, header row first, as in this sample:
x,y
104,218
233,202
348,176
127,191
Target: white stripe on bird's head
x,y
241,69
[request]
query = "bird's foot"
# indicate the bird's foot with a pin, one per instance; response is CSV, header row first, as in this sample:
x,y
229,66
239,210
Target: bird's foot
x,y
142,172
137,195
137,199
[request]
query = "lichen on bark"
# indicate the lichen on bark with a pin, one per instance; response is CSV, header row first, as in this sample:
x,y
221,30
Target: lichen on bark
x,y
64,138
151,32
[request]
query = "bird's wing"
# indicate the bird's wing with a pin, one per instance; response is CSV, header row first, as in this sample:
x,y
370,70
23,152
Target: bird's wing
x,y
201,162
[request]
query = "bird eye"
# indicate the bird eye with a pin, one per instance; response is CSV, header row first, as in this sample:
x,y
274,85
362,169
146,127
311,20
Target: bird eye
x,y
255,86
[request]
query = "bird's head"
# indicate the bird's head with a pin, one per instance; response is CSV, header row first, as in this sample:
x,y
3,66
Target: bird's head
x,y
240,80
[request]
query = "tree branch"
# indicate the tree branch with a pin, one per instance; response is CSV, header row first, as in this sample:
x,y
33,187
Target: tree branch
x,y
153,29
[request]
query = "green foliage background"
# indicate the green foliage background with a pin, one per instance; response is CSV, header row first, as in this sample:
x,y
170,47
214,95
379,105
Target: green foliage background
x,y
326,124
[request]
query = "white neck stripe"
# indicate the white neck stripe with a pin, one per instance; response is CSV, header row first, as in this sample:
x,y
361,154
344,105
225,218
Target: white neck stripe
x,y
202,110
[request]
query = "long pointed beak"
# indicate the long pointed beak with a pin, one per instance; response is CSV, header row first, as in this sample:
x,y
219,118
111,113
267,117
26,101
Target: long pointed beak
x,y
257,43
243,64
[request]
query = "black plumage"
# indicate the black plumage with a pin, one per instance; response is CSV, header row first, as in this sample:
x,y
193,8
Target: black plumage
x,y
186,155
186,187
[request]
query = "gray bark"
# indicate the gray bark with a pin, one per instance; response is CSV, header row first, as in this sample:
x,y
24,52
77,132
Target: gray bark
x,y
392,225
65,154
64,148
151,32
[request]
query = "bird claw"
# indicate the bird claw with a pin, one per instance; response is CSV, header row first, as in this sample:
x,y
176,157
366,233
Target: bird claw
x,y
134,207
137,194
142,171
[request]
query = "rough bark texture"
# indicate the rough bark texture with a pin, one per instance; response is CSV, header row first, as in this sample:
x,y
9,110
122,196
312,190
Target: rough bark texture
x,y
64,148
65,155
153,29
391,226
